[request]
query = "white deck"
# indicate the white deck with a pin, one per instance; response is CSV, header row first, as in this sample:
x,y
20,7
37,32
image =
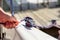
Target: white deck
x,y
41,17
32,33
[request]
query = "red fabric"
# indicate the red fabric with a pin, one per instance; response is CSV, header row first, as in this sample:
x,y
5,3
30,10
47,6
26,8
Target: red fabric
x,y
8,21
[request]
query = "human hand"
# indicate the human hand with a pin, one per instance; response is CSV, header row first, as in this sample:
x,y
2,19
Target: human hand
x,y
8,21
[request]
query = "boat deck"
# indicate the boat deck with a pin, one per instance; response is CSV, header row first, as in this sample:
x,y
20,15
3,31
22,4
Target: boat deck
x,y
41,17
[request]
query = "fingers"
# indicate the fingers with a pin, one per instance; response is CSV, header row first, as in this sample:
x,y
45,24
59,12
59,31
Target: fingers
x,y
9,21
10,25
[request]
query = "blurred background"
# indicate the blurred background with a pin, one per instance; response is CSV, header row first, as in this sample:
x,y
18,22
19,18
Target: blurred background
x,y
42,11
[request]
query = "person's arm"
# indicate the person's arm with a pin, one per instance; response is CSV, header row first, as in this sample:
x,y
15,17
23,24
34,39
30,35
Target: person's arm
x,y
47,26
6,20
57,26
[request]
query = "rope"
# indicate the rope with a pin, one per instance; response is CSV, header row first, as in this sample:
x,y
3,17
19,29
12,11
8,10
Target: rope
x,y
12,7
